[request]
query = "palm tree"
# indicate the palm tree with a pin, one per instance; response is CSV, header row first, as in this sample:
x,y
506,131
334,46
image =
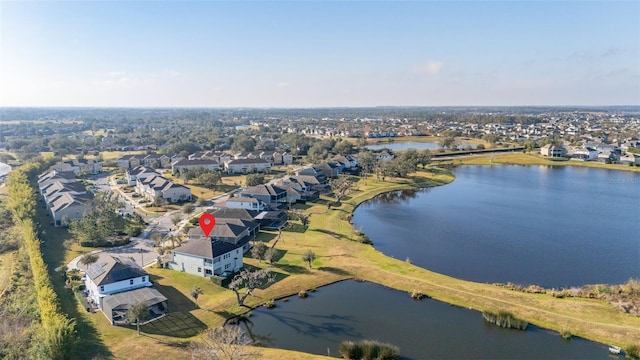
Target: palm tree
x,y
309,257
88,259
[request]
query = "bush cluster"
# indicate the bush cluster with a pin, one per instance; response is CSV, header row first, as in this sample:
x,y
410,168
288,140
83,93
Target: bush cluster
x,y
368,350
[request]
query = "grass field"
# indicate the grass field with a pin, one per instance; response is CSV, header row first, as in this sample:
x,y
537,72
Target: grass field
x,y
329,235
7,260
531,159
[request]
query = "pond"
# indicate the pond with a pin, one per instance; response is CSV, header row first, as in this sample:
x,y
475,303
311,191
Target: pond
x,y
551,226
425,329
406,145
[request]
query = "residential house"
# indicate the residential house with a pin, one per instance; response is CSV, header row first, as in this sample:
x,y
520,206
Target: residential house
x,y
268,219
188,165
153,186
139,173
268,194
128,161
156,161
79,166
242,202
282,158
52,190
114,284
66,206
383,155
585,154
52,176
218,253
247,166
552,151
629,159
347,161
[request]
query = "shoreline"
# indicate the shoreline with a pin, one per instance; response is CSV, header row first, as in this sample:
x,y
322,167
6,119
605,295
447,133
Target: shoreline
x,y
611,337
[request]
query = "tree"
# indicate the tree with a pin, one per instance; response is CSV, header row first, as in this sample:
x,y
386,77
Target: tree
x,y
229,342
309,257
209,179
344,147
195,293
340,187
258,250
157,237
302,217
447,142
424,158
176,218
188,209
137,313
249,281
255,179
88,259
201,201
270,255
158,200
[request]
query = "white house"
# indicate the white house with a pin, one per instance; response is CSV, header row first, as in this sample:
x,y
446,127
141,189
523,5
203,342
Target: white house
x,y
242,202
137,173
246,166
78,166
186,164
221,252
158,185
383,155
113,284
586,154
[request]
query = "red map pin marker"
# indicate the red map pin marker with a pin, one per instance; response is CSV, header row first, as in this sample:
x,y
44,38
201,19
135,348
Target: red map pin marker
x,y
207,222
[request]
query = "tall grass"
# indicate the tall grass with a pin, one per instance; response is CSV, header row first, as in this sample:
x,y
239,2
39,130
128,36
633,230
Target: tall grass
x,y
505,319
368,350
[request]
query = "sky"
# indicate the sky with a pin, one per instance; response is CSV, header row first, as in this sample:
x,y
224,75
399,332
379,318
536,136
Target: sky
x,y
319,54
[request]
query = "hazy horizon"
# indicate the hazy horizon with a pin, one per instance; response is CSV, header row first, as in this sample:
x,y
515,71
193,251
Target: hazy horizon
x,y
308,55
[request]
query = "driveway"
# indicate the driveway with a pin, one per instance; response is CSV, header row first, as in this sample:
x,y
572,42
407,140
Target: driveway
x,y
140,250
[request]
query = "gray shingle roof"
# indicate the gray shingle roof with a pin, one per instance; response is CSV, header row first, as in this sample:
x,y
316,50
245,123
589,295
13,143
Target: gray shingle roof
x,y
114,269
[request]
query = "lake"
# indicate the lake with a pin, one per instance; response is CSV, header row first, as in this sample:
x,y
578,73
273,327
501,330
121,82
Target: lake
x,y
551,226
351,310
406,145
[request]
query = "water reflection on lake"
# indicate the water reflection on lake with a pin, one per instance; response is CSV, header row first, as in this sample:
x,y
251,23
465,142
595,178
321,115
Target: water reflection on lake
x,y
552,226
426,329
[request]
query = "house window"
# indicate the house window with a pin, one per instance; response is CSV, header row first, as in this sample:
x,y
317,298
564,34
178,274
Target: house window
x,y
226,256
199,269
227,266
144,278
131,282
101,288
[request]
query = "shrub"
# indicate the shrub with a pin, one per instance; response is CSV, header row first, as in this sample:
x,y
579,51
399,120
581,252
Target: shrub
x,y
566,334
633,351
368,350
417,295
270,304
303,294
505,319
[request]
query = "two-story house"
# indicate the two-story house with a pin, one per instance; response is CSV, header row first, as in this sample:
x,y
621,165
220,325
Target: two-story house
x,y
138,173
247,166
113,284
219,253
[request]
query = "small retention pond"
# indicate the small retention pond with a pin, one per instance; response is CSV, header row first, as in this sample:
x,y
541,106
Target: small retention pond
x,y
425,329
